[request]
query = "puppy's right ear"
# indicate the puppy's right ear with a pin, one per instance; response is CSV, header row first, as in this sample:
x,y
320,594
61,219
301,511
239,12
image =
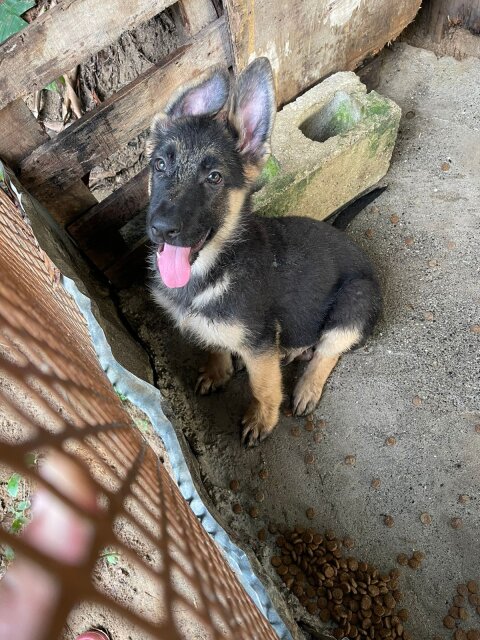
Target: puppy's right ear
x,y
203,97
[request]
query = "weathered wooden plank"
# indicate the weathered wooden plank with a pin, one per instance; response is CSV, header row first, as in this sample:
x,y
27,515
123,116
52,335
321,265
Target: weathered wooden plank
x,y
130,265
20,134
124,115
96,231
305,41
64,36
196,14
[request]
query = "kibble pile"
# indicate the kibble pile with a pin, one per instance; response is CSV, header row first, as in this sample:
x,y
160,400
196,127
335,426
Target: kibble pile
x,y
352,594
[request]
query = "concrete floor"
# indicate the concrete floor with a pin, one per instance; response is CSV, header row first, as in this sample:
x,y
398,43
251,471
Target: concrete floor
x,y
416,380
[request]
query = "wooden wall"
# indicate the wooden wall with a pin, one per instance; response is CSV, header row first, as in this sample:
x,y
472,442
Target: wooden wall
x,y
308,39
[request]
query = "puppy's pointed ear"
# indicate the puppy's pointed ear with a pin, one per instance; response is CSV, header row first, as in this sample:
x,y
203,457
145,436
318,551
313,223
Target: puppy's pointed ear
x,y
252,110
204,97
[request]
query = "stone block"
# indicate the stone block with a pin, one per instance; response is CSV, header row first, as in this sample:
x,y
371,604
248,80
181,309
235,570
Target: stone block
x,y
329,146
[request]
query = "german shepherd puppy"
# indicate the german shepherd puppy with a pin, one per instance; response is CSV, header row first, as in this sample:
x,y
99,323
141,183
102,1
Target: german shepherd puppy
x,y
264,289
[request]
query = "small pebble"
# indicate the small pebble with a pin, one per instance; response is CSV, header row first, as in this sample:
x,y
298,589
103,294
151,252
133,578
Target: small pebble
x,y
425,518
253,512
477,428
375,483
295,432
350,460
262,535
456,523
428,316
263,474
475,328
391,441
409,115
463,499
409,241
451,245
259,496
445,166
310,513
433,263
388,521
237,508
309,458
234,485
416,401
369,233
394,219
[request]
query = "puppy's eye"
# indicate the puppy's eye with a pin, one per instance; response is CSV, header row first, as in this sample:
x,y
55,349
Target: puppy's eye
x,y
214,177
160,165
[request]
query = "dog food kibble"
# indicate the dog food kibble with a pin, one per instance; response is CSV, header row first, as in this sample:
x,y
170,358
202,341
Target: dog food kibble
x,y
309,458
462,590
416,401
460,635
350,460
409,241
418,555
463,499
272,528
445,166
375,483
474,599
309,424
348,543
263,474
354,595
449,622
394,219
310,513
388,521
288,412
428,316
456,523
237,508
425,518
262,535
473,634
413,563
234,485
391,441
317,437
477,428
402,559
259,496
472,586
253,512
459,601
295,431
463,614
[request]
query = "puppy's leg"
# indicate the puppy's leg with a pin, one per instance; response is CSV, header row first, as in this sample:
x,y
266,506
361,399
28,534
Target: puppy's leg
x,y
216,373
266,383
309,388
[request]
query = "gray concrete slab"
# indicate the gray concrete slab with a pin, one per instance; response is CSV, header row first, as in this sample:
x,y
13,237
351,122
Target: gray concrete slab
x,y
417,379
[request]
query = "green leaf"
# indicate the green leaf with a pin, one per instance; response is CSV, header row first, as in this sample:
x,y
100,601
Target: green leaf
x,y
10,21
8,553
23,505
13,485
18,523
54,85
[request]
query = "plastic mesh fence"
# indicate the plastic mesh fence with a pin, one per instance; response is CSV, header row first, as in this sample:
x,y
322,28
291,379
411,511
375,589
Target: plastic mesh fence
x,y
52,386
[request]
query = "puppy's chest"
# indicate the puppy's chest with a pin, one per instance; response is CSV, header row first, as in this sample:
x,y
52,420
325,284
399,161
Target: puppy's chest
x,y
197,318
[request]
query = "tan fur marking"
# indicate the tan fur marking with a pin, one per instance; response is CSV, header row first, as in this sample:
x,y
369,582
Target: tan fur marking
x,y
266,383
216,373
309,388
212,249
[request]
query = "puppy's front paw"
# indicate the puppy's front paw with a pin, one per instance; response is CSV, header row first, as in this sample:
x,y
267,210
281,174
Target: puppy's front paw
x,y
213,376
258,423
306,396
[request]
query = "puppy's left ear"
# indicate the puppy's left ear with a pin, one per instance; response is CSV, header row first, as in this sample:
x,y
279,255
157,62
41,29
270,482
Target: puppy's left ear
x,y
252,111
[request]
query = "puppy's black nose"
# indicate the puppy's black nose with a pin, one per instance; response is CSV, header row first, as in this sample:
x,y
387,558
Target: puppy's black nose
x,y
164,230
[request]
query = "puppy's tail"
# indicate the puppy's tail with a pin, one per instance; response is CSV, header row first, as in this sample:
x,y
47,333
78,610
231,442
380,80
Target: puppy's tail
x,y
344,216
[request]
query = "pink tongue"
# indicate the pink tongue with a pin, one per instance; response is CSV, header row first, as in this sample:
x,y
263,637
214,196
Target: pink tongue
x,y
174,265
